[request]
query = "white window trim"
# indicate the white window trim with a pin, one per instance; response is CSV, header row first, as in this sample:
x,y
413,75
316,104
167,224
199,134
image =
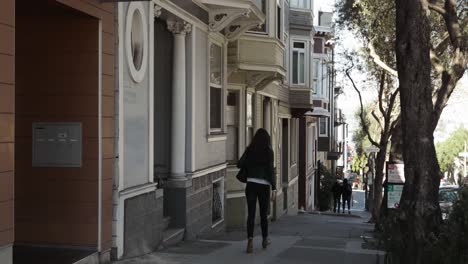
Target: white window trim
x,y
280,4
294,141
215,134
326,127
313,127
137,74
240,120
306,61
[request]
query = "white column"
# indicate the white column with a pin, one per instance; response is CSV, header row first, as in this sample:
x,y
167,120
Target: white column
x,y
179,29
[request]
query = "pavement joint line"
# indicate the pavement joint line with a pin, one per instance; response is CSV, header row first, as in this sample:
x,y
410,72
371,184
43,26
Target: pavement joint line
x,y
319,248
219,241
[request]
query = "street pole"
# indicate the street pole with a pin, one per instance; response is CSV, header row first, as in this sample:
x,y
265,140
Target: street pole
x,y
464,155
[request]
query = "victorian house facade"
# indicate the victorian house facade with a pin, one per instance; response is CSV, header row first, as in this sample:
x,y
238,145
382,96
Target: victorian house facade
x,y
122,124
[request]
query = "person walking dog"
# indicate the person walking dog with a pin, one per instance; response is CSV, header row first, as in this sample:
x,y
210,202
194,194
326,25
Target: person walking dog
x,y
257,164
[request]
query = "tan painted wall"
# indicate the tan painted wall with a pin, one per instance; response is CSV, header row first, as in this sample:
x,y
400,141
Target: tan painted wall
x,y
7,123
57,81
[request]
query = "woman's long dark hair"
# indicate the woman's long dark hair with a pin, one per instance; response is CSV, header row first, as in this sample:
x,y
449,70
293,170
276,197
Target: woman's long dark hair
x,y
260,147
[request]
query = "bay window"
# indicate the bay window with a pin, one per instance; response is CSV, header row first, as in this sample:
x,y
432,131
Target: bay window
x,y
316,72
323,126
298,61
324,80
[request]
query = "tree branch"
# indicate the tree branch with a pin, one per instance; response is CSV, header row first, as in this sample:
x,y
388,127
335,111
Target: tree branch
x,y
393,98
436,62
363,121
437,8
381,90
450,77
443,44
379,62
394,124
449,82
452,23
377,119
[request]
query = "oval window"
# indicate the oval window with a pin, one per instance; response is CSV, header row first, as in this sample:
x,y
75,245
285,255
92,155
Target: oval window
x,y
136,41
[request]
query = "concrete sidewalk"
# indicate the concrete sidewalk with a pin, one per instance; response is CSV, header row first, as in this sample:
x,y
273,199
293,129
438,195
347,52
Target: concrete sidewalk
x,y
305,238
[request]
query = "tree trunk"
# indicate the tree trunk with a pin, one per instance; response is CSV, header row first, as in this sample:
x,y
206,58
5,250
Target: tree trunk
x,y
378,181
396,155
420,212
396,149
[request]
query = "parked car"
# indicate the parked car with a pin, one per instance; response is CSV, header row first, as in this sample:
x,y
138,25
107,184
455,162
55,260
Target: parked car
x,y
447,196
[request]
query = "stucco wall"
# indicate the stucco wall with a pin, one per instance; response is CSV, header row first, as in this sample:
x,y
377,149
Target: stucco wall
x,y
136,114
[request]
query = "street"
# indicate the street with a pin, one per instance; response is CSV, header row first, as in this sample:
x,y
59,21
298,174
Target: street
x,y
303,238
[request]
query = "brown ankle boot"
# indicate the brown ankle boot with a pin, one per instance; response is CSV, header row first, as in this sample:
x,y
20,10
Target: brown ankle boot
x,y
249,246
266,241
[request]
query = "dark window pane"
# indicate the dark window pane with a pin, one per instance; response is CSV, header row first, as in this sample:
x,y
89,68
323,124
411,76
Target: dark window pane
x,y
278,23
215,108
299,45
232,99
231,144
323,125
295,68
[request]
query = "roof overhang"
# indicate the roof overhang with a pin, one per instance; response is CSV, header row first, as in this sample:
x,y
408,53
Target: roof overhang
x,y
323,31
299,112
234,17
319,112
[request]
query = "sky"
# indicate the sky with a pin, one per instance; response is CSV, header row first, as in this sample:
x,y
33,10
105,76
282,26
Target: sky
x,y
454,115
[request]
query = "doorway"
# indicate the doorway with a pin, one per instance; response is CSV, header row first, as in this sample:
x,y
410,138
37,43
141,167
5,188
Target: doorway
x,y
163,56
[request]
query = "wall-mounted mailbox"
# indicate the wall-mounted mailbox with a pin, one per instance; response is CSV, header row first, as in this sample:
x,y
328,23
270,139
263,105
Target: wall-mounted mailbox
x,y
56,145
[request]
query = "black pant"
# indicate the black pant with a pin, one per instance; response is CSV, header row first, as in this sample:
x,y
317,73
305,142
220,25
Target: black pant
x,y
262,192
336,203
346,199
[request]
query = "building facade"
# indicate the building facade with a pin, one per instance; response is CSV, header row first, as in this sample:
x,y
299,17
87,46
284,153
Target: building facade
x,y
173,130
122,124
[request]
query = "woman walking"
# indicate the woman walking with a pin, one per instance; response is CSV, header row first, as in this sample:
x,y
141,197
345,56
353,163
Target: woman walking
x,y
257,161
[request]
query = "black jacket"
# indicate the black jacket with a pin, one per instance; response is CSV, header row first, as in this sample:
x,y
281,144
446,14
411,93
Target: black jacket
x,y
258,170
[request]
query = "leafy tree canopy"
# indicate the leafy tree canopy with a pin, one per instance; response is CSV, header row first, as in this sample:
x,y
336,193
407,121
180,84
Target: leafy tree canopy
x,y
450,148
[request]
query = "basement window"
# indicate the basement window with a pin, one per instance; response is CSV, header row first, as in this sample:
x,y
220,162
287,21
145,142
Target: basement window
x,y
217,214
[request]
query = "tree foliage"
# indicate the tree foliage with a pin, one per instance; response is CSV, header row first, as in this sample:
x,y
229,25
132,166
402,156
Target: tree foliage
x,y
450,148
